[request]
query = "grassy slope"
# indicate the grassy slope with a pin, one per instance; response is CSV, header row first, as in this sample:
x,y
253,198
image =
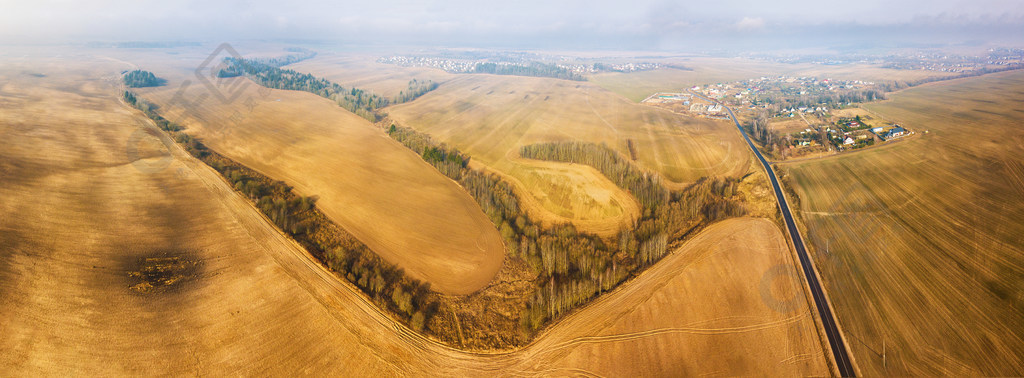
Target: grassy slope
x,y
924,236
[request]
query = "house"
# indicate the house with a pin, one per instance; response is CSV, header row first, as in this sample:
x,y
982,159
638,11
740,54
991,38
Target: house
x,y
877,130
894,132
848,140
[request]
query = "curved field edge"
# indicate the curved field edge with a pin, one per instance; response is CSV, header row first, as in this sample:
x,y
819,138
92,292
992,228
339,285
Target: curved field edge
x,y
263,305
573,267
375,188
568,268
409,299
491,117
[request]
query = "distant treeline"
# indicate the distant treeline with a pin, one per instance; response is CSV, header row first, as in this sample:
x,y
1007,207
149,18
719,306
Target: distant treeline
x,y
142,44
533,69
296,215
140,78
300,55
268,73
877,92
897,85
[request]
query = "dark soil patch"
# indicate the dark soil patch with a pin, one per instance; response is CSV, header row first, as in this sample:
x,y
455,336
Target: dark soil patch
x,y
161,272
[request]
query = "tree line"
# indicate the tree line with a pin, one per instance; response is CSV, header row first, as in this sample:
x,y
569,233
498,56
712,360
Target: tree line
x,y
644,186
410,299
758,128
533,69
448,160
267,72
299,55
415,89
358,101
140,78
571,266
896,85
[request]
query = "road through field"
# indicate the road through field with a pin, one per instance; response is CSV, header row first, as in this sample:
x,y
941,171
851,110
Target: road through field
x,y
835,337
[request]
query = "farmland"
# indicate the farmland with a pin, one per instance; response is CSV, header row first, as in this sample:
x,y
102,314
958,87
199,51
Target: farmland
x,y
512,189
77,302
491,117
372,186
362,71
919,241
928,220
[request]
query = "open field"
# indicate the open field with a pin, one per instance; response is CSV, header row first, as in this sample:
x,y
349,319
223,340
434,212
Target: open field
x,y
491,117
374,187
638,85
362,71
81,217
788,125
919,242
120,260
692,304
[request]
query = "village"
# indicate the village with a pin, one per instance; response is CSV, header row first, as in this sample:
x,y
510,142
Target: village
x,y
807,128
842,135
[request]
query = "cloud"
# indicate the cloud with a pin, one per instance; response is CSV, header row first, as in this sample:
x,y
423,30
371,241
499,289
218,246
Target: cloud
x,y
750,23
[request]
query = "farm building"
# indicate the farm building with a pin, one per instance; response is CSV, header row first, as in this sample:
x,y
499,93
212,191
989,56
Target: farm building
x,y
894,132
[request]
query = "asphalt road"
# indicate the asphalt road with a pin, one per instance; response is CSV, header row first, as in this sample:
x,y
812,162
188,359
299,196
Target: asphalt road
x,y
835,340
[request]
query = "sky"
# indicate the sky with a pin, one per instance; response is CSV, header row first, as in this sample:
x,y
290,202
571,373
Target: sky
x,y
624,24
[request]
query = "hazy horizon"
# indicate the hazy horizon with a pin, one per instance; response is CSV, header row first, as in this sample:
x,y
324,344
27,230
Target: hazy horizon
x,y
641,25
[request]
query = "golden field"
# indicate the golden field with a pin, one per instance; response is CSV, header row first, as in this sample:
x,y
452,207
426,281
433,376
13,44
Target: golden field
x,y
919,242
96,197
382,193
491,117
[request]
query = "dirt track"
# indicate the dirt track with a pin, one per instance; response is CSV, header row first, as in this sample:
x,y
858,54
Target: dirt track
x,y
79,215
